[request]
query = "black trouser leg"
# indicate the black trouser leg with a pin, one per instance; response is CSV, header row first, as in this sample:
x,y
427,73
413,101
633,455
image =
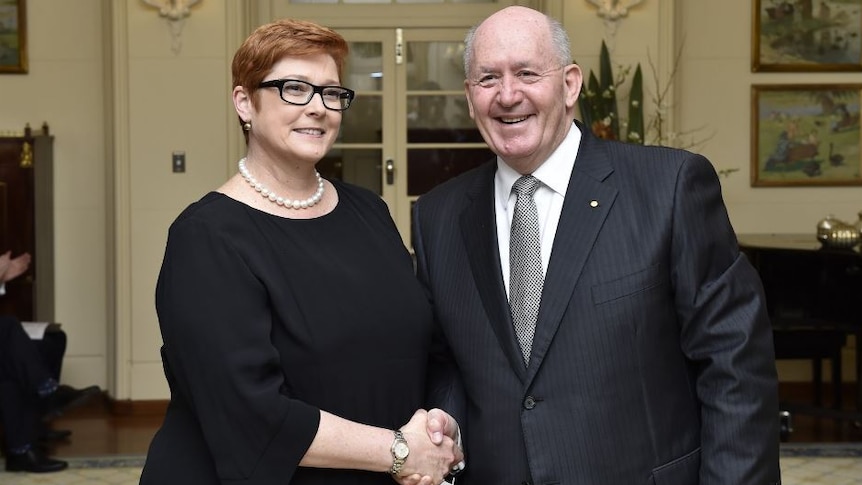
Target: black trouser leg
x,y
20,359
52,347
17,410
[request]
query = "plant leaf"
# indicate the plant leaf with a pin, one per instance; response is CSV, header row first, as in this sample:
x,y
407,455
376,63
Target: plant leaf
x,y
608,92
636,109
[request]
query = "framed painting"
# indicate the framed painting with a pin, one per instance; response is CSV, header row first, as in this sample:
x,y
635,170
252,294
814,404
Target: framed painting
x,y
806,35
13,36
805,135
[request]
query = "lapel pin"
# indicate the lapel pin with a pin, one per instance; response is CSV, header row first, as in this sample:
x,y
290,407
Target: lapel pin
x,y
594,203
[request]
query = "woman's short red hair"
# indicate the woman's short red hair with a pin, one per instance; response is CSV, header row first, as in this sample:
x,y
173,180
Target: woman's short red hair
x,y
271,42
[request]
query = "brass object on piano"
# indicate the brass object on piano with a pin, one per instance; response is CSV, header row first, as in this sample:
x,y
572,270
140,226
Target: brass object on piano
x,y
834,233
26,155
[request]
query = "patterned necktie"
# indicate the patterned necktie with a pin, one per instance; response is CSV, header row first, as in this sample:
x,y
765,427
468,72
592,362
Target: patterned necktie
x,y
525,264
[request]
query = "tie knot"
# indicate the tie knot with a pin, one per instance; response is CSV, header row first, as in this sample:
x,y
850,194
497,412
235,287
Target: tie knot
x,y
526,185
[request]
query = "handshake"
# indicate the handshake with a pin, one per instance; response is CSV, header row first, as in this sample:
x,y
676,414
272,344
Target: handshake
x,y
429,451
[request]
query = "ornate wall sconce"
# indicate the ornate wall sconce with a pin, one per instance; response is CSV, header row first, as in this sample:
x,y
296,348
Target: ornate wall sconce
x,y
175,11
613,11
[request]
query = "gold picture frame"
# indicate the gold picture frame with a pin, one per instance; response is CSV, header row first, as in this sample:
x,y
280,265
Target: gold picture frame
x,y
13,36
805,135
806,36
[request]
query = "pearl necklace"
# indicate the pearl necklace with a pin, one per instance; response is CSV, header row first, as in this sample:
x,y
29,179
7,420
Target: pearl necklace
x,y
288,203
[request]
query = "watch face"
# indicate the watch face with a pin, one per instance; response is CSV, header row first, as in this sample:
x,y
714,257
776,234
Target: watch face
x,y
400,449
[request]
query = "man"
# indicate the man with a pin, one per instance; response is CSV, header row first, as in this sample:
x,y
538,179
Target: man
x,y
30,393
649,357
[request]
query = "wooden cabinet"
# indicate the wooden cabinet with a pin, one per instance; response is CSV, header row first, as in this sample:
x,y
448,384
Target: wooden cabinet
x,y
27,221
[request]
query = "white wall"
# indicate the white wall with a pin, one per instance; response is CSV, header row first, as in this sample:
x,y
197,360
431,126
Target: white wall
x,y
716,91
178,101
115,193
65,87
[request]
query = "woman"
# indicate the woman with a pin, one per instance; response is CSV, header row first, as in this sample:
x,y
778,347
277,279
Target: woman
x,y
296,338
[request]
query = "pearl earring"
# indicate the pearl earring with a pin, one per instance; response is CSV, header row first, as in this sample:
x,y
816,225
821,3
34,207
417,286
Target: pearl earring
x,y
246,126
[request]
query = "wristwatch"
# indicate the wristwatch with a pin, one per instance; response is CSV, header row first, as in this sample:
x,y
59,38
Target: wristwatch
x,y
399,450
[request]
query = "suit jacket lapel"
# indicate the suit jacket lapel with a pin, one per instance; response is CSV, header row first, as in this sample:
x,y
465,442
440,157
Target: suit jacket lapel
x,y
479,231
587,204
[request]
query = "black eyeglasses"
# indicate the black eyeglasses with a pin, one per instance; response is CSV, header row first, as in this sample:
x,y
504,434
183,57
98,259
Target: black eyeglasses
x,y
294,91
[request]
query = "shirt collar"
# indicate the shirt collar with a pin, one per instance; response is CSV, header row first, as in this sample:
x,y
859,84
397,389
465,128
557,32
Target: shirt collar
x,y
554,173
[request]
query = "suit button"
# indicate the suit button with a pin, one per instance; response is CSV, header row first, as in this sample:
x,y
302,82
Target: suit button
x,y
529,402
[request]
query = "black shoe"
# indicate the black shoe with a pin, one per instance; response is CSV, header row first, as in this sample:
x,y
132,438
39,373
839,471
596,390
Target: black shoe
x,y
64,399
33,461
51,435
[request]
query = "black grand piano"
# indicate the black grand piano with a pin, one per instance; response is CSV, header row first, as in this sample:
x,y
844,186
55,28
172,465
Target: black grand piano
x,y
814,297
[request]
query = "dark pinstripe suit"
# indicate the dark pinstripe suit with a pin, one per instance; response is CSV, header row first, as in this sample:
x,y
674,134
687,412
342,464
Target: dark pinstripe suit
x,y
652,361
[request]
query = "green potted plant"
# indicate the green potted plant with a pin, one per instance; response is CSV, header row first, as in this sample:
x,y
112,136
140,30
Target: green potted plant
x,y
598,103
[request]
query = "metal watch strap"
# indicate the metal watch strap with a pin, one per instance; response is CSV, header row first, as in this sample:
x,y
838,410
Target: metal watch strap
x,y
399,445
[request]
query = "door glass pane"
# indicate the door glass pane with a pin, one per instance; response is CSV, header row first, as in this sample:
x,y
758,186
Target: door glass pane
x,y
387,1
363,122
437,113
428,167
358,167
431,1
363,73
435,66
439,118
364,68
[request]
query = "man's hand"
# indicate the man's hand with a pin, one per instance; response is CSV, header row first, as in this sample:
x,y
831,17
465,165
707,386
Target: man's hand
x,y
441,424
11,268
5,262
430,461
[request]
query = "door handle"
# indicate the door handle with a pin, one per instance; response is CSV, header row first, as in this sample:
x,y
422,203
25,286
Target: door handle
x,y
390,171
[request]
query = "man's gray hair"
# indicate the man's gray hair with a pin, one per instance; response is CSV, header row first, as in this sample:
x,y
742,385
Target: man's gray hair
x,y
559,39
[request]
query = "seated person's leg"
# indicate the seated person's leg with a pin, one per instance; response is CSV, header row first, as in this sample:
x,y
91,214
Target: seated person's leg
x,y
21,359
53,348
19,424
22,363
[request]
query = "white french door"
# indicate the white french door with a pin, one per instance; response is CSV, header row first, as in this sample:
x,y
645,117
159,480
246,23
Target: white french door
x,y
408,129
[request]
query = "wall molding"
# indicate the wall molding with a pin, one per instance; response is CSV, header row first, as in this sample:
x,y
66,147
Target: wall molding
x,y
119,191
127,407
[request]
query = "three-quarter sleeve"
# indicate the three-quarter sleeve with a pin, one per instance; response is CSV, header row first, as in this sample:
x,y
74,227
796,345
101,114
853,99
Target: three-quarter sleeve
x,y
216,322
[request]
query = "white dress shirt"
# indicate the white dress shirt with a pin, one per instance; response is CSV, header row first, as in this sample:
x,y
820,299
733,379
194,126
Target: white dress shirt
x,y
554,175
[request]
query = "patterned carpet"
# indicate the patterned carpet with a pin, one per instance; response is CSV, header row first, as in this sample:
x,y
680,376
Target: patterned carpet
x,y
821,464
801,464
822,450
75,476
807,470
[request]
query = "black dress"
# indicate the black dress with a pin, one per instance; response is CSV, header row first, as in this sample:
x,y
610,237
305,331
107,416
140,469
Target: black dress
x,y
265,320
